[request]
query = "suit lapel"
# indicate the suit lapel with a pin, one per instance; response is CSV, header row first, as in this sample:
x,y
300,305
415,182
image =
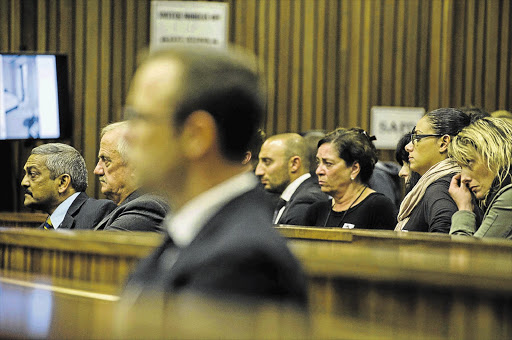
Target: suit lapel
x,y
131,197
69,219
185,254
288,204
101,225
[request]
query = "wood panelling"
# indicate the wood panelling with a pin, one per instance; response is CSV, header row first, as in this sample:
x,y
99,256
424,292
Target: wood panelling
x,y
327,62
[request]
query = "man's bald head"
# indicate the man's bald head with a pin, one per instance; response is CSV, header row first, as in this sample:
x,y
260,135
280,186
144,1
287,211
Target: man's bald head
x,y
294,145
282,159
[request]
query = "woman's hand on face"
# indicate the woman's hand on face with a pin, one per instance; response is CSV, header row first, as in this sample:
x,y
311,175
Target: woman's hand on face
x,y
460,194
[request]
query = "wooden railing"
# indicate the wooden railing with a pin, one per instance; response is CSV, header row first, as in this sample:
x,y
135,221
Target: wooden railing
x,y
22,220
421,283
102,257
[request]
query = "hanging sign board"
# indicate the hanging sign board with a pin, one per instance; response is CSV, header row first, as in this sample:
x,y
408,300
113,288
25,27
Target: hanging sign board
x,y
188,23
390,123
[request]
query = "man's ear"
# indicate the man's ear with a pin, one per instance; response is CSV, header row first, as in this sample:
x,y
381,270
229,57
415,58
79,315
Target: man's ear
x,y
443,143
294,164
64,182
198,135
247,158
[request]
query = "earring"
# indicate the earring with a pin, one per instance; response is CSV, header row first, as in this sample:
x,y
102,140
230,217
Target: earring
x,y
351,178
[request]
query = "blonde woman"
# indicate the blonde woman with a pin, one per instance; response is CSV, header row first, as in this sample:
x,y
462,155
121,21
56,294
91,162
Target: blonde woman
x,y
483,150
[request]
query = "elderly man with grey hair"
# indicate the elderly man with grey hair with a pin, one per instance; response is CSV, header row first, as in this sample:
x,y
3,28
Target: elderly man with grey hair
x,y
136,210
55,180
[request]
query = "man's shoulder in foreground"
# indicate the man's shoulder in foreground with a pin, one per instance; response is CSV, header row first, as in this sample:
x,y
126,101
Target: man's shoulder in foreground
x,y
236,253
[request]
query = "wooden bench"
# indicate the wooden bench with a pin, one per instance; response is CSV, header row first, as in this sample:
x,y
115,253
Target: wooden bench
x,y
448,286
101,257
32,306
442,287
22,219
399,239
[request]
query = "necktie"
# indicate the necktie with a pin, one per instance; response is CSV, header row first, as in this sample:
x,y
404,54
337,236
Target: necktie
x,y
279,206
48,224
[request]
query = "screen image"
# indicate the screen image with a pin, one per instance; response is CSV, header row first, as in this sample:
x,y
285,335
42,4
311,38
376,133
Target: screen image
x,y
29,97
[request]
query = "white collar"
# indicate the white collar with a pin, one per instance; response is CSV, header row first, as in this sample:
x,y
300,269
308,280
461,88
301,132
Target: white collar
x,y
185,224
58,215
290,189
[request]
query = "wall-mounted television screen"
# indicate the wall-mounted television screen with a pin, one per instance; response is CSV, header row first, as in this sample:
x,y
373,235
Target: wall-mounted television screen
x,y
34,97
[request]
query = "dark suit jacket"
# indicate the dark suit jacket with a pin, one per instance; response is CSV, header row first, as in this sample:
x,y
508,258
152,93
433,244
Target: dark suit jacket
x,y
138,212
85,212
306,194
236,254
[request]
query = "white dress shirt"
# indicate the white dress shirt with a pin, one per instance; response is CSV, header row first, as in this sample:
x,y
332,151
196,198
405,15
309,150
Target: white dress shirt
x,y
289,191
58,215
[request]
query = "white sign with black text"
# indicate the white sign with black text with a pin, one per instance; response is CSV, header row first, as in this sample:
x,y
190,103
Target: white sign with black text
x,y
188,23
390,123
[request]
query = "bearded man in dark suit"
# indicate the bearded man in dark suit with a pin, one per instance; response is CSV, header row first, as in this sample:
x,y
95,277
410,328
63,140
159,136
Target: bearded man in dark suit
x,y
283,169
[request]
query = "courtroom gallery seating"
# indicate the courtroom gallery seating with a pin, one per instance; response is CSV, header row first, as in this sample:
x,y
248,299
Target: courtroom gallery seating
x,y
368,282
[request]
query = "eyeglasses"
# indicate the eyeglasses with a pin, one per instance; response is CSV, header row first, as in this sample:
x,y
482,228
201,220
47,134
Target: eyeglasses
x,y
131,114
415,138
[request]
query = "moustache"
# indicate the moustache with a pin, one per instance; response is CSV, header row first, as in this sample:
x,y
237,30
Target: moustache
x,y
27,192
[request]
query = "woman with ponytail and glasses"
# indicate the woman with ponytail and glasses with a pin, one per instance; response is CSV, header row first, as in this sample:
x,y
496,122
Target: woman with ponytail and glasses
x,y
346,159
428,207
483,150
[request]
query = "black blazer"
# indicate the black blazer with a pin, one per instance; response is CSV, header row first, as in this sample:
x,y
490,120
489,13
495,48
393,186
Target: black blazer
x,y
306,194
85,212
138,212
236,254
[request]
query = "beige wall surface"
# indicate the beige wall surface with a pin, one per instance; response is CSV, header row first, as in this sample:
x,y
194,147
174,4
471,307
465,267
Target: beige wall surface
x,y
327,62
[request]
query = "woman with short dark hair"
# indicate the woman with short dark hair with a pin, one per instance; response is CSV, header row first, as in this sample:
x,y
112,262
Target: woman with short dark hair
x,y
346,159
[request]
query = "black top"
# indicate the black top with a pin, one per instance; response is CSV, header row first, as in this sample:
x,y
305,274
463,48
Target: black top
x,y
375,212
434,212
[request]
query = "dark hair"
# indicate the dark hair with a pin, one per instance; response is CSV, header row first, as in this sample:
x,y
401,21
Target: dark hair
x,y
255,144
354,145
401,155
227,86
448,121
474,112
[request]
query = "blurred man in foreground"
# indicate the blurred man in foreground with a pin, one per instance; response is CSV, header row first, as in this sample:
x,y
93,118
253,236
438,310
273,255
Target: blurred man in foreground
x,y
194,113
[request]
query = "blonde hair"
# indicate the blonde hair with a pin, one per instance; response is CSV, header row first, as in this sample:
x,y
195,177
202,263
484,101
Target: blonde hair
x,y
489,138
503,114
